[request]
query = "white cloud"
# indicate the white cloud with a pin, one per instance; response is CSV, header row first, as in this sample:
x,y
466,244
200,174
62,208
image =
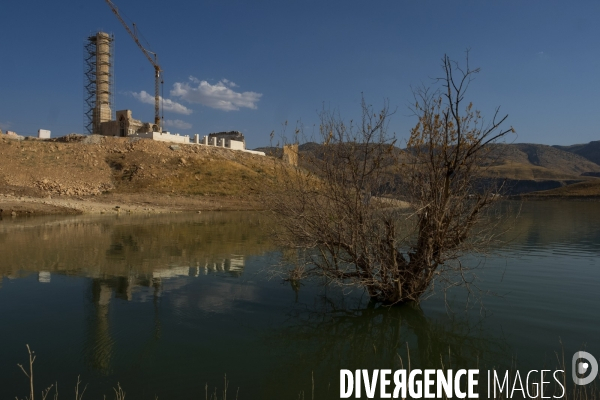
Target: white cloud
x,y
167,104
177,123
229,83
220,95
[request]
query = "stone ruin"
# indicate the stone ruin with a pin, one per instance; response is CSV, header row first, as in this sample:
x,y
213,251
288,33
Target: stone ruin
x,y
290,154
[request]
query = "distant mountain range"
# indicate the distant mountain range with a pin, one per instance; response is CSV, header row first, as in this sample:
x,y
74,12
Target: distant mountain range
x,y
590,150
539,162
528,167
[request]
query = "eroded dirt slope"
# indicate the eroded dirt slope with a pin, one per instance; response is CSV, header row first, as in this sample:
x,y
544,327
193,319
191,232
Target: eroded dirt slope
x,y
132,172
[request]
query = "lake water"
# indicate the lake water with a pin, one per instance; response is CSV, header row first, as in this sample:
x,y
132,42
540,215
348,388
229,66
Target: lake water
x,y
168,305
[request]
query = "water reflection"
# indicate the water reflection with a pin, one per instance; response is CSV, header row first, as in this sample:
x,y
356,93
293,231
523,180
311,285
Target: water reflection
x,y
126,259
571,226
159,303
100,344
327,338
141,288
133,246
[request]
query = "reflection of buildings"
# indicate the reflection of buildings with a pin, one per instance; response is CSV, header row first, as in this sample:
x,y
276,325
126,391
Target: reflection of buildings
x,y
99,349
234,265
44,276
100,345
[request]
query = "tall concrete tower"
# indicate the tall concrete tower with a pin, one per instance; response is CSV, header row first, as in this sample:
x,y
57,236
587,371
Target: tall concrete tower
x,y
98,85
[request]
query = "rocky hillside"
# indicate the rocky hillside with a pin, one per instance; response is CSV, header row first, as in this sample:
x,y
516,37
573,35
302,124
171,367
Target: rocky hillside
x,y
523,167
149,174
525,161
103,168
590,151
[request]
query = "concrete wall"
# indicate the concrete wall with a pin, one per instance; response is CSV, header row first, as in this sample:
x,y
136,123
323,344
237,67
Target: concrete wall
x,y
234,144
168,137
214,140
162,137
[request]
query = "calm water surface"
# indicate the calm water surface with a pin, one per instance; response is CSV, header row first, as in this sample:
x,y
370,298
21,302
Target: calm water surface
x,y
168,304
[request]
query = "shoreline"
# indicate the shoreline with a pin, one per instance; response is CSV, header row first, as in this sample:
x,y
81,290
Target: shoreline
x,y
540,197
15,205
12,205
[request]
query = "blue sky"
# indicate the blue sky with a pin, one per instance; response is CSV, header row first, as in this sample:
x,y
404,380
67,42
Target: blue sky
x,y
252,65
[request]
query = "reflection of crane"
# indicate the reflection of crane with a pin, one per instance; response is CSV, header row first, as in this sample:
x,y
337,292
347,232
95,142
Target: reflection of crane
x,y
148,54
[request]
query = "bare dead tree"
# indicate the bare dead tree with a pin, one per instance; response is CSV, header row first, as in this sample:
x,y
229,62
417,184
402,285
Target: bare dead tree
x,y
362,212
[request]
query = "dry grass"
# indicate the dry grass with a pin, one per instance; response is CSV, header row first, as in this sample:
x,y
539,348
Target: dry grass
x,y
119,165
51,392
205,178
576,393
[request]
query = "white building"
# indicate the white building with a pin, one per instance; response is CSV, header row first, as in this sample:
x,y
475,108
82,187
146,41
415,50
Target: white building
x,y
43,134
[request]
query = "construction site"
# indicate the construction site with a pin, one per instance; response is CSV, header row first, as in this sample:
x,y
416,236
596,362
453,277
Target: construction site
x,y
122,164
99,90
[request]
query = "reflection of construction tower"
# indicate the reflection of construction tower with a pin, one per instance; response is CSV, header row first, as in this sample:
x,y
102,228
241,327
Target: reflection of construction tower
x,y
99,348
98,85
100,345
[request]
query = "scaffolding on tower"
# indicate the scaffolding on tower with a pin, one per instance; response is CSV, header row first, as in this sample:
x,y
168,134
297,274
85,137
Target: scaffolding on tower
x,y
98,82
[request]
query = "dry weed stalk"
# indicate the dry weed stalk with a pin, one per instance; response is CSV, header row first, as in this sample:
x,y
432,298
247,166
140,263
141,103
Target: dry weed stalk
x,y
214,396
30,374
119,393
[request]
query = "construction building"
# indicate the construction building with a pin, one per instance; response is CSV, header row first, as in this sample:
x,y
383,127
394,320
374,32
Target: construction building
x,y
99,96
99,101
99,83
126,126
44,134
232,140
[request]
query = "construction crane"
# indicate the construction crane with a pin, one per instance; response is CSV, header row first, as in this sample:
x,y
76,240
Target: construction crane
x,y
149,55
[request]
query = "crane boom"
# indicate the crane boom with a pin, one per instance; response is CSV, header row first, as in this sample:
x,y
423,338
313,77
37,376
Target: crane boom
x,y
153,61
